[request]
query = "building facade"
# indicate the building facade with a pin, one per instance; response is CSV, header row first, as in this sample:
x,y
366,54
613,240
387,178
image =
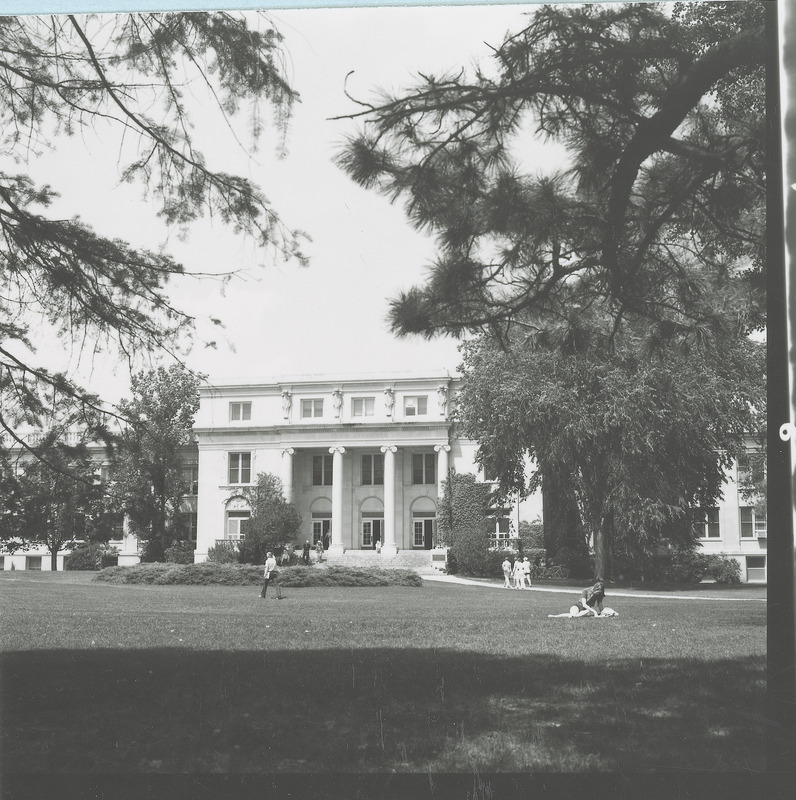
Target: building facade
x,y
362,459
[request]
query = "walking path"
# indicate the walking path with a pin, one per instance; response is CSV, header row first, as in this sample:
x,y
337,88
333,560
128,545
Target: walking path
x,y
568,590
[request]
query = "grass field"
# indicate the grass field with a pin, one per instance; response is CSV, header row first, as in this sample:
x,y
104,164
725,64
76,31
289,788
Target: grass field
x,y
445,678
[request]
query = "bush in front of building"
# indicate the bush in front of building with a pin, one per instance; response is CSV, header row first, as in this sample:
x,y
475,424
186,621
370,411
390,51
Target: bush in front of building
x,y
350,577
491,565
463,523
179,553
223,552
92,556
213,574
722,569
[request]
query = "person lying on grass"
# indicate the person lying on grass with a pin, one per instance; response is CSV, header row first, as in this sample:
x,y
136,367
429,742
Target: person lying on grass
x,y
591,598
577,611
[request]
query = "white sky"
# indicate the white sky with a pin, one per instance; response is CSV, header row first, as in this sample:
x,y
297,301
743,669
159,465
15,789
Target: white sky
x,y
282,320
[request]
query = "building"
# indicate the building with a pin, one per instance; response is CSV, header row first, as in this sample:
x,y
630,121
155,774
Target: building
x,y
362,459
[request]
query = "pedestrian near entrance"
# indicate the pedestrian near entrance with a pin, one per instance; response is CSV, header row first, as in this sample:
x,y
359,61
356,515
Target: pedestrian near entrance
x,y
305,554
506,565
526,573
271,574
517,573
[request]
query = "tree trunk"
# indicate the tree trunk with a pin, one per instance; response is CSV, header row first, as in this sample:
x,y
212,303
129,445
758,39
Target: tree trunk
x,y
563,526
53,560
602,543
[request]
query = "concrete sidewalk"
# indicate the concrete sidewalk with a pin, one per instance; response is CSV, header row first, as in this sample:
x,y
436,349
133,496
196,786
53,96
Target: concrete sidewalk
x,y
442,578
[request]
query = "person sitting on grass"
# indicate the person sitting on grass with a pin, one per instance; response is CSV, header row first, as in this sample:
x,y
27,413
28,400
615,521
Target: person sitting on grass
x,y
271,574
591,598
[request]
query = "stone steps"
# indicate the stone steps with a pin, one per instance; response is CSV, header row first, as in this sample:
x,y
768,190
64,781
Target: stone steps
x,y
419,560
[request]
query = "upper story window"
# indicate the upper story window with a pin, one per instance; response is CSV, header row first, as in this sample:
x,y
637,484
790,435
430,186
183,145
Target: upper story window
x,y
751,469
363,406
312,408
322,470
373,470
424,468
240,467
416,406
240,411
753,523
708,527
106,474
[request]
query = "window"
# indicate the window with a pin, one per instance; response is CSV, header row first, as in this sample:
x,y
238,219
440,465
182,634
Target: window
x,y
363,406
373,470
490,473
189,478
240,411
106,474
311,408
753,523
755,568
422,532
416,406
708,525
371,532
751,469
188,523
240,467
33,562
237,524
424,468
322,470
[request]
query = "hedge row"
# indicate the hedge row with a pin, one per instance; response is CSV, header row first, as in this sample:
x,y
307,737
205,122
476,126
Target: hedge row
x,y
210,574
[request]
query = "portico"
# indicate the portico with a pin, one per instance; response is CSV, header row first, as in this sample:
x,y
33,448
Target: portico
x,y
362,460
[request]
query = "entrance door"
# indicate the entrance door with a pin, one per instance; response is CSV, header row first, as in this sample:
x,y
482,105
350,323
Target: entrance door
x,y
372,532
322,532
423,538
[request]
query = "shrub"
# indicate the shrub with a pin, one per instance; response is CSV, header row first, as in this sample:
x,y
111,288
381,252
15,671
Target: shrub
x,y
489,567
91,556
213,574
722,569
179,553
223,553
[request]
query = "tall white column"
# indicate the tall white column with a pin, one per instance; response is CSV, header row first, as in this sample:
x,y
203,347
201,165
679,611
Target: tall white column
x,y
287,472
389,547
442,465
336,545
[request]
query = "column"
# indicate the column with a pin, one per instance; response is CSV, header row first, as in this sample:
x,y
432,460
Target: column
x,y
388,546
287,472
442,465
336,545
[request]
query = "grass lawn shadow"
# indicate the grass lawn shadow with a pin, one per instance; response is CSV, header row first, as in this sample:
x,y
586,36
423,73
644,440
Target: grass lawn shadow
x,y
374,711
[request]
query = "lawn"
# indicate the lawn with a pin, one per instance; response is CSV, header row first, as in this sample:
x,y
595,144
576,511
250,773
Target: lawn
x,y
100,678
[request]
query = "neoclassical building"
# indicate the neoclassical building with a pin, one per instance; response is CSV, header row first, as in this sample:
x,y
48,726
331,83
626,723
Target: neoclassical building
x,y
361,458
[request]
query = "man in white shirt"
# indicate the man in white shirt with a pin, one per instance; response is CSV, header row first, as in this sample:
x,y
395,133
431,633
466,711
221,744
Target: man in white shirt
x,y
271,574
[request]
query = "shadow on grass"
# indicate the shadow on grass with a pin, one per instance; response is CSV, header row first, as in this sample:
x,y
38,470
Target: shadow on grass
x,y
372,711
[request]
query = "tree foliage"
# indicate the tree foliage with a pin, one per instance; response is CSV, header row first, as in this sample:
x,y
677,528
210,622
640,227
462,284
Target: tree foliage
x,y
274,522
642,441
55,501
658,212
131,77
148,481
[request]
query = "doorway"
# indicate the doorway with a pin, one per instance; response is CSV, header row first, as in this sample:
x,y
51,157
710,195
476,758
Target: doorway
x,y
372,532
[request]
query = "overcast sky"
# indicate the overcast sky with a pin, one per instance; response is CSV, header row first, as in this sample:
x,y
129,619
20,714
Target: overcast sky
x,y
283,320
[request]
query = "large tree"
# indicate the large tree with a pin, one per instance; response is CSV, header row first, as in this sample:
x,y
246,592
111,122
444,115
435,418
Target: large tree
x,y
657,206
148,482
135,78
274,522
639,442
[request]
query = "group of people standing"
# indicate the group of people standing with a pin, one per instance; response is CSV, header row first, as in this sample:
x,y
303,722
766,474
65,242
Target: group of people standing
x,y
518,574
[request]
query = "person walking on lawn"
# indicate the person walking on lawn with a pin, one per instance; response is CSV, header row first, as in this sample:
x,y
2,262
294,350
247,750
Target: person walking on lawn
x,y
526,573
506,565
271,574
518,574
